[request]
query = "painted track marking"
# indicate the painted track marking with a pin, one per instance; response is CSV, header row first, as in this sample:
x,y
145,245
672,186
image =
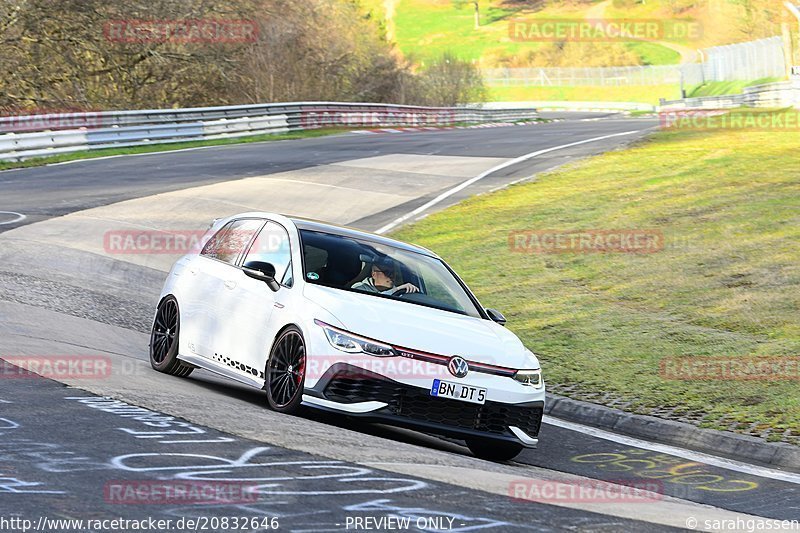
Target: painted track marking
x,y
450,192
18,217
711,460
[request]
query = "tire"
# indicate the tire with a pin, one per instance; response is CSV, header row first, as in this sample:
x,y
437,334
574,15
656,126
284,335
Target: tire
x,y
285,373
494,450
164,340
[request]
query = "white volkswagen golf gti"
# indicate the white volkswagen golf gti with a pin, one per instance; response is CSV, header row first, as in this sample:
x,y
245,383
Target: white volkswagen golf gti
x,y
351,322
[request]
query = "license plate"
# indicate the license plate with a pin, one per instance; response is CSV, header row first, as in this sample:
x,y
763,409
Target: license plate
x,y
457,391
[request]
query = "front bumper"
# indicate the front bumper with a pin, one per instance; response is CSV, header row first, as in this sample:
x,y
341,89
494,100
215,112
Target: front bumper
x,y
367,395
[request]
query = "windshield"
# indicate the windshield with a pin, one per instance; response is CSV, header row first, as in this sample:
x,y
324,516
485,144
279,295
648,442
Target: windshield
x,y
383,271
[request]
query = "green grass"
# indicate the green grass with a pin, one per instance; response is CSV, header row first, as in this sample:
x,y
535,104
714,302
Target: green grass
x,y
647,94
654,54
717,88
725,285
635,114
425,29
154,148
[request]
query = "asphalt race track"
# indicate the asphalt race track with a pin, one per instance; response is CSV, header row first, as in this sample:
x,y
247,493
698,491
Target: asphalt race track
x,y
72,446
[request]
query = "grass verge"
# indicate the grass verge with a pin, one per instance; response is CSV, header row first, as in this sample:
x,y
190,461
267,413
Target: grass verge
x,y
654,53
647,94
156,148
719,88
725,285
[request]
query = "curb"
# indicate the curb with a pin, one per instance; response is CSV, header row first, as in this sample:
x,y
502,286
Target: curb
x,y
744,448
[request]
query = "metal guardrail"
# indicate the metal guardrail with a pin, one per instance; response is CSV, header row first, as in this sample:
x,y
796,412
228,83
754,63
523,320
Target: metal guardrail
x,y
27,136
780,94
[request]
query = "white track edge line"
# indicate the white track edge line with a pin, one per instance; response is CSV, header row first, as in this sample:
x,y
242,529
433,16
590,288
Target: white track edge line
x,y
510,162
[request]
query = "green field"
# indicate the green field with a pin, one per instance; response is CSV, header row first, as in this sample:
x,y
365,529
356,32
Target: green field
x,y
647,94
717,88
426,29
725,285
654,53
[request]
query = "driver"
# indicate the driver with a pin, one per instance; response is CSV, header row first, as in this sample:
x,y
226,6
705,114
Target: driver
x,y
382,280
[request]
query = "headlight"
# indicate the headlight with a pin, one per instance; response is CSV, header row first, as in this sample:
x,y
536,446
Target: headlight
x,y
350,343
531,378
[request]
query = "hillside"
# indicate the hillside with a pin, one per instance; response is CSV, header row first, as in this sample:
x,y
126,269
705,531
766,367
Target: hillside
x,y
424,29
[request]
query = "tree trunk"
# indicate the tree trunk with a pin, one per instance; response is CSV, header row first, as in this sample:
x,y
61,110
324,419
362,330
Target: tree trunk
x,y
477,14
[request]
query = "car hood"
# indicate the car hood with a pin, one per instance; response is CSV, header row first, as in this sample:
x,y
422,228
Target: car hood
x,y
422,328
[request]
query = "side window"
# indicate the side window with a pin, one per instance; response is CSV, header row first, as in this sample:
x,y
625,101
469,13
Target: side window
x,y
230,241
272,246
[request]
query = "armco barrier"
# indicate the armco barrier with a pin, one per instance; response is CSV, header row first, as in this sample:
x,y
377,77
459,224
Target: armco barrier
x,y
780,94
106,129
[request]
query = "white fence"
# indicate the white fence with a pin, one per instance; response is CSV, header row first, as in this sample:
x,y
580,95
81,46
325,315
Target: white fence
x,y
752,60
746,61
23,137
580,76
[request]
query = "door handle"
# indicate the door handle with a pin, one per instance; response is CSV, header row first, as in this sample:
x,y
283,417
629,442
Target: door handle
x,y
230,284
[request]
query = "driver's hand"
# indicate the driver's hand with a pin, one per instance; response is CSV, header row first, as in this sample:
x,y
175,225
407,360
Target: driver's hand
x,y
408,287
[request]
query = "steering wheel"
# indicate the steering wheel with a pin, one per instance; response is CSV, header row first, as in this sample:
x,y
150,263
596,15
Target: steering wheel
x,y
400,292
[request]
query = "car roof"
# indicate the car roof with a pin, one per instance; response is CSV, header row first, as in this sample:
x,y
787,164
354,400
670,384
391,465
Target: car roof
x,y
324,227
344,231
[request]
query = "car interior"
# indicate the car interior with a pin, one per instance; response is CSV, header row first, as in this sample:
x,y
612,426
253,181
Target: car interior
x,y
340,262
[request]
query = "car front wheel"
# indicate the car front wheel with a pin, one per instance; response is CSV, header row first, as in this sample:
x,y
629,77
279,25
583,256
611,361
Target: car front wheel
x,y
285,372
164,340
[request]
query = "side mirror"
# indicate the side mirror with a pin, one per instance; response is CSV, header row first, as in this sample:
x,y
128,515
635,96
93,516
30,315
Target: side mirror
x,y
262,272
497,316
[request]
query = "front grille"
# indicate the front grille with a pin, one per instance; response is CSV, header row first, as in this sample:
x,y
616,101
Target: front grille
x,y
349,387
417,404
497,417
491,417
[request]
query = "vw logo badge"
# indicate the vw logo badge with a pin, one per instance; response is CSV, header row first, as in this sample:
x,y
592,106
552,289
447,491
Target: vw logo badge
x,y
458,366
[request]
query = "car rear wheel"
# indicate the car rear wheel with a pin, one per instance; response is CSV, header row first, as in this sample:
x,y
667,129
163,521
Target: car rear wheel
x,y
285,372
164,340
494,450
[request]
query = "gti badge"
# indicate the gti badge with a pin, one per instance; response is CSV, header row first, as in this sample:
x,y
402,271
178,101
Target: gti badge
x,y
458,366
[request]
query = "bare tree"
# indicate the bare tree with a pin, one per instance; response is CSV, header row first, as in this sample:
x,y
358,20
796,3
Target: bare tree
x,y
61,56
450,80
